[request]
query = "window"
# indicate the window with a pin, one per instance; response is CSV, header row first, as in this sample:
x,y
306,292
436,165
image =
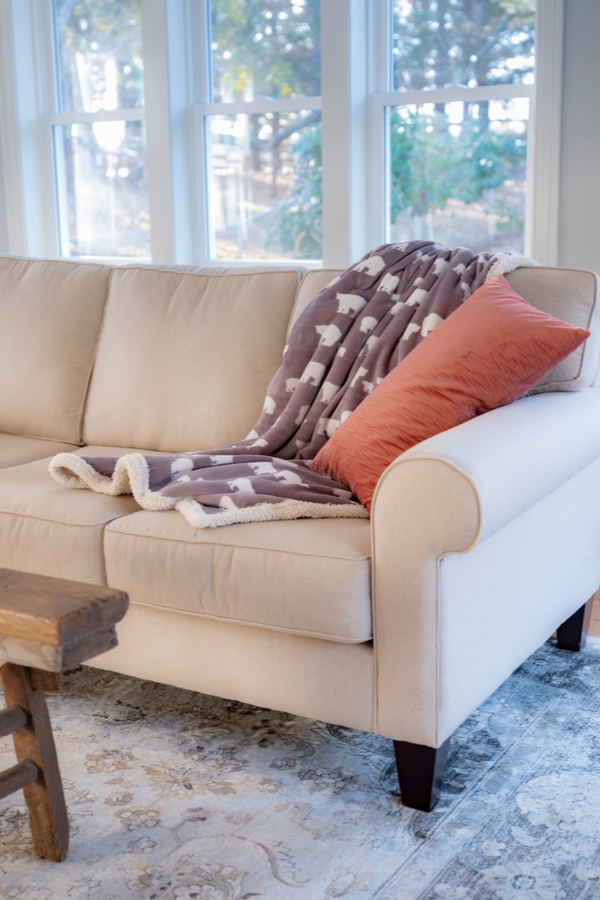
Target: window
x,y
199,131
98,129
262,130
457,117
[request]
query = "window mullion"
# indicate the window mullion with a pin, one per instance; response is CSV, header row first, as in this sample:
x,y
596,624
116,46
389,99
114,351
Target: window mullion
x,y
544,156
261,106
134,114
466,94
13,211
344,105
199,170
30,91
165,35
46,88
380,82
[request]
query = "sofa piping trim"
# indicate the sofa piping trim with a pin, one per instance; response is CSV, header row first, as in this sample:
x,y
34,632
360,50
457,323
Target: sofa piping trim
x,y
316,635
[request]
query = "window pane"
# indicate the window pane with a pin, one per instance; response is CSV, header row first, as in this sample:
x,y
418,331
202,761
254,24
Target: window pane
x,y
99,54
265,49
104,189
265,196
439,43
458,173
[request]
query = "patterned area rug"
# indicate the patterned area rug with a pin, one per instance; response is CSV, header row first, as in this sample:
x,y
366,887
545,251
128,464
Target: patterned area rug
x,y
179,796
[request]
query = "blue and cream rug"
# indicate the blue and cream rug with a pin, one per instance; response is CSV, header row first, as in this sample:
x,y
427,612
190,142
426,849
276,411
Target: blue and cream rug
x,y
178,796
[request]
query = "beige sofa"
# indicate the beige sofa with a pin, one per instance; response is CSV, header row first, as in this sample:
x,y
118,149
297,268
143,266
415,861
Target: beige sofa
x,y
483,539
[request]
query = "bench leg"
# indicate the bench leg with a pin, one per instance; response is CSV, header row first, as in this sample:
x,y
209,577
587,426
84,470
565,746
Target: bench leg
x,y
34,742
572,633
420,773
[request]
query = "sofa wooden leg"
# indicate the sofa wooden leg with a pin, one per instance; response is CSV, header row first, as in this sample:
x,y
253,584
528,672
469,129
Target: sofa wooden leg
x,y
572,633
420,773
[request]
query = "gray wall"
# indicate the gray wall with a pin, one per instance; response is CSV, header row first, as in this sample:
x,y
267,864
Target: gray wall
x,y
4,245
579,227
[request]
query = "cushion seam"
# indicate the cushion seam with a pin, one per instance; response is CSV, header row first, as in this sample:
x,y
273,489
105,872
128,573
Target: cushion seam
x,y
268,274
5,512
153,537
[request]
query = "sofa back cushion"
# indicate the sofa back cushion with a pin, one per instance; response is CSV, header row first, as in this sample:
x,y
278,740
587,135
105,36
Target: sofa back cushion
x,y
570,295
184,360
567,294
51,313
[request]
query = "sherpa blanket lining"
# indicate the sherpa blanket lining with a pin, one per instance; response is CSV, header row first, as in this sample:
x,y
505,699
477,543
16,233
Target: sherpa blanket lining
x,y
344,343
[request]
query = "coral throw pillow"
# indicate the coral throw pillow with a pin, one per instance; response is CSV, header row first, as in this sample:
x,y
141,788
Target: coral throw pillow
x,y
490,351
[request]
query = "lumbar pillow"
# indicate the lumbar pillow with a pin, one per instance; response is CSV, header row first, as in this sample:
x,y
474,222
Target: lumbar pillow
x,y
489,352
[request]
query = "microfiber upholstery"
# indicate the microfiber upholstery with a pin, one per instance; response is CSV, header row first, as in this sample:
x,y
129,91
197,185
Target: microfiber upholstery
x,y
55,311
184,359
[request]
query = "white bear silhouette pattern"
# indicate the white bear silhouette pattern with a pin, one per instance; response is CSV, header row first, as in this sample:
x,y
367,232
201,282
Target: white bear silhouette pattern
x,y
373,265
330,334
314,373
350,303
388,283
181,465
328,391
368,324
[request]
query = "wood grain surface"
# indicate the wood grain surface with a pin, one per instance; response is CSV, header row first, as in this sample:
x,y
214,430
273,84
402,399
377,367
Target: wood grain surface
x,y
11,718
17,777
34,744
54,611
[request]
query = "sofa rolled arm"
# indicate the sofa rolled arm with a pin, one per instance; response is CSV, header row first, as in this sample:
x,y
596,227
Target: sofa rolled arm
x,y
446,496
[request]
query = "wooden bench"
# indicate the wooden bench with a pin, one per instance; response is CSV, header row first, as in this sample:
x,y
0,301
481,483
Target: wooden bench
x,y
47,625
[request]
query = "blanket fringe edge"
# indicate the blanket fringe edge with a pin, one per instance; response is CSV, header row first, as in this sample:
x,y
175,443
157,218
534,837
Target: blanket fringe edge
x,y
131,476
269,512
509,263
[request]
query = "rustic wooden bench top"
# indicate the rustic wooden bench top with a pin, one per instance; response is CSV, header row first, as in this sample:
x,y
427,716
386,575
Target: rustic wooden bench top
x,y
54,624
53,610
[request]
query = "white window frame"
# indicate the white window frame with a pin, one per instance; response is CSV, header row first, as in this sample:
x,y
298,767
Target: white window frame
x,y
543,151
356,94
202,110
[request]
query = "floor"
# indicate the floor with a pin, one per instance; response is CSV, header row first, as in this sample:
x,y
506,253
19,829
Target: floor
x,y
174,795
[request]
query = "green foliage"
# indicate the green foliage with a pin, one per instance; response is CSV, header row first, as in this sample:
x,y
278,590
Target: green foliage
x,y
422,158
100,30
430,166
297,228
265,48
486,157
438,43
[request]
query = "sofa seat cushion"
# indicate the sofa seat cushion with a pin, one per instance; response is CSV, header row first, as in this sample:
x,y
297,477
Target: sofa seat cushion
x,y
16,450
304,577
51,530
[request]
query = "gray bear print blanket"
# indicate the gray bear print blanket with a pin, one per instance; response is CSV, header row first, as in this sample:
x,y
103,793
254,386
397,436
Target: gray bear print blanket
x,y
342,346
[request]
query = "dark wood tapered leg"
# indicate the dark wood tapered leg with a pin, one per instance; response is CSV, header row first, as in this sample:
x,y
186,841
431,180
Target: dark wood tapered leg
x,y
420,773
34,744
572,633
